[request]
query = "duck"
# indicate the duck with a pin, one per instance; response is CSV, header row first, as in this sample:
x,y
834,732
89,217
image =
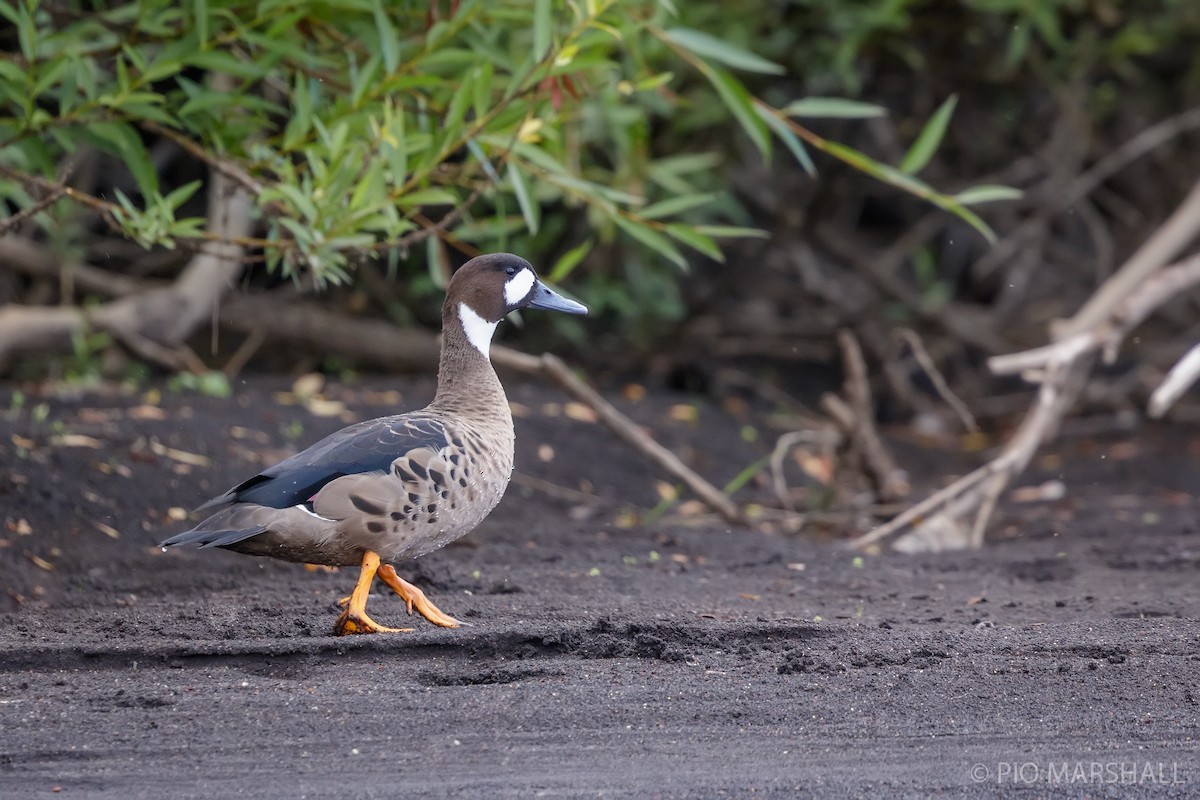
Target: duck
x,y
393,489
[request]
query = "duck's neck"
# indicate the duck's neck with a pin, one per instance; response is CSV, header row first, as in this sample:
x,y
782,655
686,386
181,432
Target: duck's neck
x,y
467,383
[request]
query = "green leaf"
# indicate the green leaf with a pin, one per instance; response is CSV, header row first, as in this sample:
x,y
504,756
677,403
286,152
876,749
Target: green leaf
x,y
181,195
433,196
395,144
120,139
435,261
529,209
716,49
363,80
741,105
676,205
27,31
930,137
833,108
542,24
790,139
653,240
200,14
696,240
733,232
988,194
389,43
301,123
224,61
568,261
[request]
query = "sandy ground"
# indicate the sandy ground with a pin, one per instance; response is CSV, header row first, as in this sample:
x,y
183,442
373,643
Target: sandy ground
x,y
604,658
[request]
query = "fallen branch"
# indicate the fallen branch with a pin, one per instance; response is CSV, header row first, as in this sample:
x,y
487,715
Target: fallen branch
x,y
856,419
1141,286
152,322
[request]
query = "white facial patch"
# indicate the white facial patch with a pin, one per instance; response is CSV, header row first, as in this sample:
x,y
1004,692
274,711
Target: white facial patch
x,y
479,330
518,286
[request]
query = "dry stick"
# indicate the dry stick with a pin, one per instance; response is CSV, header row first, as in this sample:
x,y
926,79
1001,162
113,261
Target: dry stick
x,y
1166,243
939,382
1181,376
1108,333
552,366
50,199
860,428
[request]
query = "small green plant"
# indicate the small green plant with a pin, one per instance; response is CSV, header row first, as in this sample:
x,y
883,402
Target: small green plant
x,y
83,364
210,384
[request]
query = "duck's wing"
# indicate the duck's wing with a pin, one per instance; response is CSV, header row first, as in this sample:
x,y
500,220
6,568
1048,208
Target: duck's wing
x,y
366,447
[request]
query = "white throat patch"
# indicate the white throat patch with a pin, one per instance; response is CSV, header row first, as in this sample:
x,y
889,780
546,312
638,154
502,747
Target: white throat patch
x,y
479,330
518,286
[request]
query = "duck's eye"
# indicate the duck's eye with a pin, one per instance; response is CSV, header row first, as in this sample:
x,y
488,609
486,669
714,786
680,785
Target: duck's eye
x,y
510,271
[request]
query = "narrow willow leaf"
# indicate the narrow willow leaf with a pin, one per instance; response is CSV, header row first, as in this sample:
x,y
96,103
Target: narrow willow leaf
x,y
395,144
789,138
27,32
568,261
120,139
433,196
741,105
529,209
436,262
696,240
966,215
833,108
483,89
389,43
484,162
733,232
300,124
200,14
653,240
181,195
930,137
364,80
542,22
676,205
988,194
459,102
716,49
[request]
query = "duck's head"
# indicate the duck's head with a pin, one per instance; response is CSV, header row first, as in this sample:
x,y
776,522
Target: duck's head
x,y
489,287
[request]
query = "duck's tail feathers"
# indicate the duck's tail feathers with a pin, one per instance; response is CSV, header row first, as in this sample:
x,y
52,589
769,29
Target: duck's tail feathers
x,y
203,538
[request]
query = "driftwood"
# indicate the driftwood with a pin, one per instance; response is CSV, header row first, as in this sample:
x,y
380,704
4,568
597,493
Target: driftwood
x,y
957,516
152,322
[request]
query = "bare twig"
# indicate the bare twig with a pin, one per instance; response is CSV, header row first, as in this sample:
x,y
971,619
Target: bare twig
x,y
16,219
1167,242
859,425
935,377
1178,380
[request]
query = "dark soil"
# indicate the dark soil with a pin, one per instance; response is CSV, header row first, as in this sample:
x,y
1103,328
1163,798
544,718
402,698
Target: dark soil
x,y
605,658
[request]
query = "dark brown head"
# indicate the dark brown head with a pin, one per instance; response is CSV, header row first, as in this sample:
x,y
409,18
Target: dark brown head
x,y
489,287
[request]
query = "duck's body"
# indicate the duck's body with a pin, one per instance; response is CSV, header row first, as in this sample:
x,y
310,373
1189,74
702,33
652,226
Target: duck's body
x,y
396,487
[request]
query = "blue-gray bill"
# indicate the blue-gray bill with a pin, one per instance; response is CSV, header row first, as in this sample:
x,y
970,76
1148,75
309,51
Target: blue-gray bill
x,y
547,298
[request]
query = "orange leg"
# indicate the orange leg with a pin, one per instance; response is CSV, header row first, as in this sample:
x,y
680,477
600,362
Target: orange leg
x,y
414,598
354,618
